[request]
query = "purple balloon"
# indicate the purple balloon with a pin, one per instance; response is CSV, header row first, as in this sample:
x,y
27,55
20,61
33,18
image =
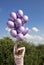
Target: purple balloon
x,y
25,31
21,29
20,36
13,16
13,33
25,19
10,24
18,22
19,13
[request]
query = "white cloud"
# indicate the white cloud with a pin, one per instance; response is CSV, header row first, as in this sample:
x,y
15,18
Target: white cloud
x,y
29,30
35,29
36,39
7,29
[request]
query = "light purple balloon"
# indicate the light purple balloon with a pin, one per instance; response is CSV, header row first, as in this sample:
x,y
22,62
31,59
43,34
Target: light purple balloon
x,y
25,31
10,24
20,13
20,36
13,16
18,22
13,33
25,19
21,29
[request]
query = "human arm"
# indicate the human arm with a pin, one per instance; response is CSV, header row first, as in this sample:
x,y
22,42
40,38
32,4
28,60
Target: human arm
x,y
21,51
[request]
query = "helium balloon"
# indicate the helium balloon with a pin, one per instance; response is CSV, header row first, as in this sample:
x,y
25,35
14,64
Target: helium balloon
x,y
20,13
13,16
10,24
20,36
21,29
25,31
13,33
18,22
25,18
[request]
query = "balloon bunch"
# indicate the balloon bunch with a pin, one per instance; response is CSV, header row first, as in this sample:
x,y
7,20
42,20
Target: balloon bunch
x,y
16,24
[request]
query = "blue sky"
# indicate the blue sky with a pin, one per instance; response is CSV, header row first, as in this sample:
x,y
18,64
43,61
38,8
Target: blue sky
x,y
33,8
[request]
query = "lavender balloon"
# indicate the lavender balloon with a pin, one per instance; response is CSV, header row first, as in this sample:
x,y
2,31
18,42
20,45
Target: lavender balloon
x,y
21,29
25,19
25,31
20,36
10,24
18,22
20,13
13,16
13,33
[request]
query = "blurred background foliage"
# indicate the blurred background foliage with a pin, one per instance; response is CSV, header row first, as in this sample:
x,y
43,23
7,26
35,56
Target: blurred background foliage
x,y
34,55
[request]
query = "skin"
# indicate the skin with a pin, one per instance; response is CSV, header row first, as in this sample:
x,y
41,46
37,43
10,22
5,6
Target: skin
x,y
18,53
